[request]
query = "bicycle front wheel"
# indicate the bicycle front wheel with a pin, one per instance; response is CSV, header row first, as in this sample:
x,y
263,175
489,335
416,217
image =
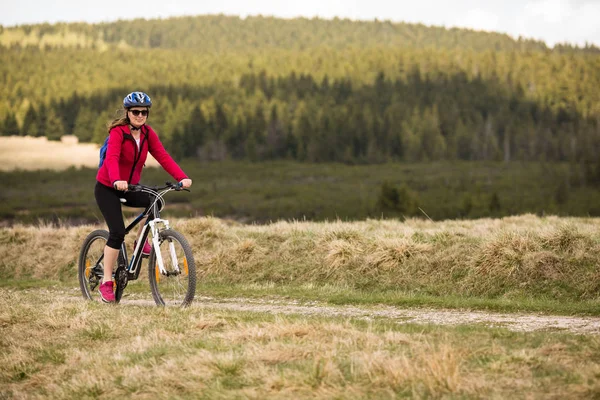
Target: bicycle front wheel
x,y
177,286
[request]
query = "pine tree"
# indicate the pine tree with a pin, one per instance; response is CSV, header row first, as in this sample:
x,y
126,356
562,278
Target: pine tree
x,y
235,141
85,125
10,126
221,123
302,130
275,135
54,126
42,119
100,127
195,132
433,143
30,122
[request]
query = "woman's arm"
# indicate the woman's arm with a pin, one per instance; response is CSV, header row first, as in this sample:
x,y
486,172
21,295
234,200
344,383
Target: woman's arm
x,y
161,155
113,153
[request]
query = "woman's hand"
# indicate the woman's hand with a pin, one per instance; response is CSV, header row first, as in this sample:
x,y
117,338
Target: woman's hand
x,y
120,185
186,183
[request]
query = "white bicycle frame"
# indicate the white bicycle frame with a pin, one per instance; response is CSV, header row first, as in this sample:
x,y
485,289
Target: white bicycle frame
x,y
155,225
154,228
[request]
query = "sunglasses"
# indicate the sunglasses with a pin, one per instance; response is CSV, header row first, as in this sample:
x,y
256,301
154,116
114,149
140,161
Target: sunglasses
x,y
138,112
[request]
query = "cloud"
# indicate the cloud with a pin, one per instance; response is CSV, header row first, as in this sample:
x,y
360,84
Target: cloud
x,y
550,11
479,19
560,21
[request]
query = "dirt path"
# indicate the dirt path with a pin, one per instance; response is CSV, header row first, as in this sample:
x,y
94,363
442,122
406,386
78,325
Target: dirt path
x,y
514,322
519,322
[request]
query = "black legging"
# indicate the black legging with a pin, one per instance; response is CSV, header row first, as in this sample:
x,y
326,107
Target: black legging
x,y
110,206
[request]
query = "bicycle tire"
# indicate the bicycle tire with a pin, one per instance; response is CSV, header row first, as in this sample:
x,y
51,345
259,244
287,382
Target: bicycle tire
x,y
178,287
89,272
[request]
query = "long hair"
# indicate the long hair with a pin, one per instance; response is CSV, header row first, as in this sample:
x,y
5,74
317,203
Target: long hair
x,y
122,119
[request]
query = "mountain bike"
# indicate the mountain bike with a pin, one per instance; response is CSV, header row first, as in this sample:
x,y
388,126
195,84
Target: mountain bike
x,y
171,266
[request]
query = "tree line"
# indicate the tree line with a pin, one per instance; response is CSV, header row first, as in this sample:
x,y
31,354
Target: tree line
x,y
333,120
391,92
223,33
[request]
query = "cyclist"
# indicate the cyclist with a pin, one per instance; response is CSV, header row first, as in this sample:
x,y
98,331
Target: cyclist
x,y
129,142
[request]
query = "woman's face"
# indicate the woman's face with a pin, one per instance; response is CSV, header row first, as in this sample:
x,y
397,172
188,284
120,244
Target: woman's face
x,y
139,119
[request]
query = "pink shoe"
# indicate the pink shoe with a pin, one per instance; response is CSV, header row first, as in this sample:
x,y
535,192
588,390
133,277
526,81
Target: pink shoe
x,y
106,292
146,249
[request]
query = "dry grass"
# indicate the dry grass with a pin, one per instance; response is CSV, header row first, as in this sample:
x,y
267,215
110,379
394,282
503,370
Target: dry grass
x,y
77,349
54,346
29,153
518,256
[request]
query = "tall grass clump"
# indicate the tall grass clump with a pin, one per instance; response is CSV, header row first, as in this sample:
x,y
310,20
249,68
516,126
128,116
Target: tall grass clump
x,y
493,258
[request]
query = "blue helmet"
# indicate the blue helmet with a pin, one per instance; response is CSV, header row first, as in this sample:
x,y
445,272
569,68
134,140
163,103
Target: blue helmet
x,y
137,99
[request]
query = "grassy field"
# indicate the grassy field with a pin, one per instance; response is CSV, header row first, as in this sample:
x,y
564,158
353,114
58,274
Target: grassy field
x,y
540,264
76,349
272,191
284,190
55,345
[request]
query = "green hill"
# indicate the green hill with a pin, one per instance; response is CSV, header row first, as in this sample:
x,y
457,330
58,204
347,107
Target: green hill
x,y
222,33
310,90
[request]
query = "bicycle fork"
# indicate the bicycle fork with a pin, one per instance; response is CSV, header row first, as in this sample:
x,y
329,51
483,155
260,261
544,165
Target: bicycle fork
x,y
156,246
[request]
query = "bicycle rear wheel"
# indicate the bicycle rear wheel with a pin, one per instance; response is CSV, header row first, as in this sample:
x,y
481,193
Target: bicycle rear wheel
x,y
90,270
178,285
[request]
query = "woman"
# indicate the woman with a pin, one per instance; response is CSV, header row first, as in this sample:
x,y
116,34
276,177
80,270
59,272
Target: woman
x,y
129,142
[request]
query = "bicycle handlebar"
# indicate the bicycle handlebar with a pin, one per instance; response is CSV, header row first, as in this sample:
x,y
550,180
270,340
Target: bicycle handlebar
x,y
168,185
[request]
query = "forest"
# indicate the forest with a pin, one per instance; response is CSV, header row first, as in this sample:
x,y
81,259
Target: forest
x,y
310,90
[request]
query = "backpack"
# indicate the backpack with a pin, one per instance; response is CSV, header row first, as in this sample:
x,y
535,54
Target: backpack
x,y
103,152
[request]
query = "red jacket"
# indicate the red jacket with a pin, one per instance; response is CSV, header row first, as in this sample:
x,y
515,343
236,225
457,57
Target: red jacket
x,y
124,162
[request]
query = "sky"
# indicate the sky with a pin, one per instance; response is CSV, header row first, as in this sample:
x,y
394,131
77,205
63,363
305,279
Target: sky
x,y
553,21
